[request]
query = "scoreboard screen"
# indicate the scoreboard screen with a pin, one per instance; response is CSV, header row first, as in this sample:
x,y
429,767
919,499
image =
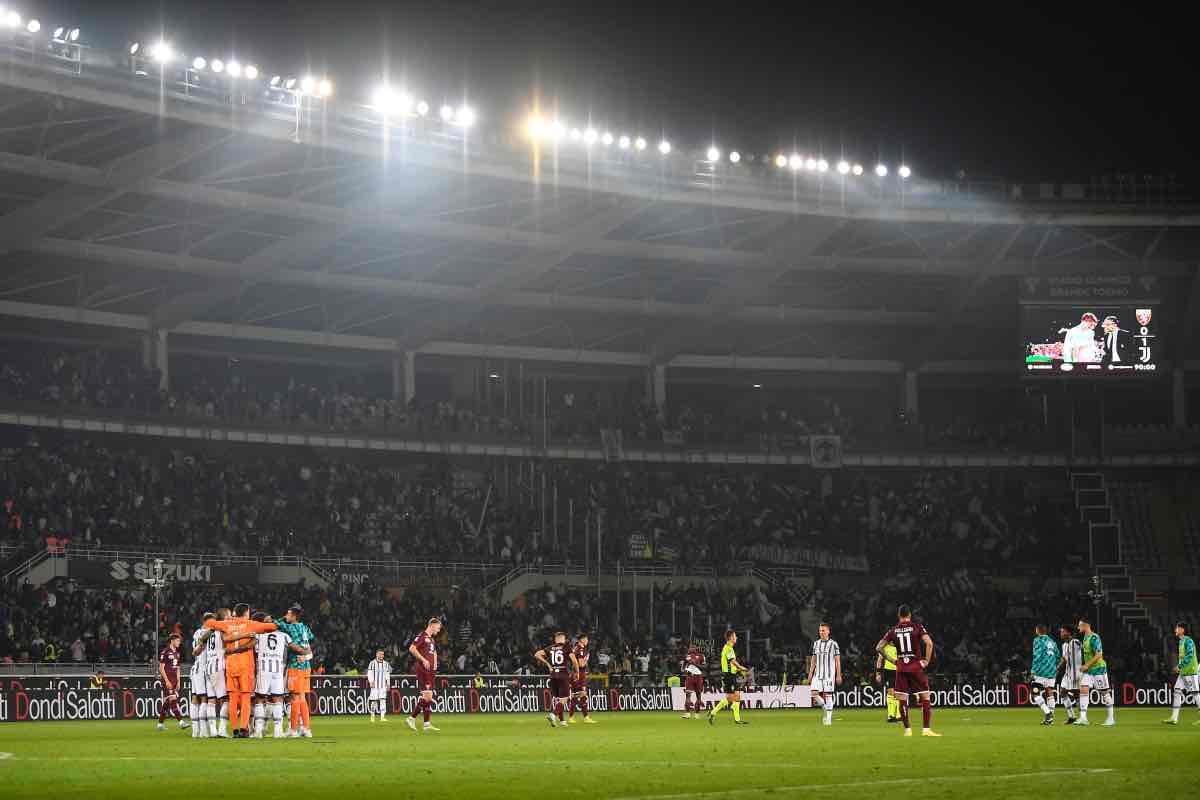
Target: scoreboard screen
x,y
1097,340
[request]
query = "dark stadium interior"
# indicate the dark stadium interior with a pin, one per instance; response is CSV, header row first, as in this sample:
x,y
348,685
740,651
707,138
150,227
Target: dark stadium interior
x,y
294,353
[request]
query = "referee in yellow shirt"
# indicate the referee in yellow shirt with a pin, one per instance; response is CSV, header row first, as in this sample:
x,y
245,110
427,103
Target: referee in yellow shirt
x,y
730,669
888,665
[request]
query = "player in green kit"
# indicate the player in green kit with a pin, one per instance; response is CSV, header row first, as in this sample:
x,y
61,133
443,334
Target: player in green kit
x,y
1187,685
299,673
1094,674
1043,672
730,669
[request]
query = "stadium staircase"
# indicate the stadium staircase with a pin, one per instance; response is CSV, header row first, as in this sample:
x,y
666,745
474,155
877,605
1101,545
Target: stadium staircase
x,y
1094,502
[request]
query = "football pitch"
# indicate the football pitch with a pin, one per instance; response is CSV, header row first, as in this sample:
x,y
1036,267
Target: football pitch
x,y
983,754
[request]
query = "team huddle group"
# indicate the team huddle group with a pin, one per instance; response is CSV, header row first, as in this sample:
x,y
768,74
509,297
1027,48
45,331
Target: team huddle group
x,y
243,666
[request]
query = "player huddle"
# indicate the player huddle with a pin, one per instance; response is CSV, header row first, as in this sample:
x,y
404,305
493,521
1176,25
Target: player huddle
x,y
246,668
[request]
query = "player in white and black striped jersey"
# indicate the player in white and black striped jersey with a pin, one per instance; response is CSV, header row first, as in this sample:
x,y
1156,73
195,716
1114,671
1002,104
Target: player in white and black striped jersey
x,y
825,670
379,676
1071,663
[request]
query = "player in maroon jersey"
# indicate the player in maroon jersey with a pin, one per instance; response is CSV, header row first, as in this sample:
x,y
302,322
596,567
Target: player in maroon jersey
x,y
560,661
693,681
907,636
579,680
168,673
424,651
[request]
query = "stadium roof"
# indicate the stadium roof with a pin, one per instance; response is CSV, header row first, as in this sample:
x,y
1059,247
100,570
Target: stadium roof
x,y
222,216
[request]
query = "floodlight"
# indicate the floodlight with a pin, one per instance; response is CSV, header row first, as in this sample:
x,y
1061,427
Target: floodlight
x,y
639,143
290,84
607,138
162,52
757,386
423,108
535,126
234,69
557,130
857,169
576,134
218,66
73,35
307,84
734,156
881,170
324,88
251,72
623,143
905,172
590,136
60,31
843,167
33,26
464,117
447,113
12,19
822,165
713,154
781,161
198,63
796,161
810,163
664,147
133,48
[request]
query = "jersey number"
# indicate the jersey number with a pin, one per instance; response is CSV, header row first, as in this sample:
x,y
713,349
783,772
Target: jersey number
x,y
272,641
557,658
905,640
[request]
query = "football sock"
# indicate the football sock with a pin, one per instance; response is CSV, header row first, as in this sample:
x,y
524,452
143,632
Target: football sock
x,y
1084,698
223,719
893,707
719,706
304,718
194,716
1176,704
382,706
829,708
260,717
1051,701
737,711
294,718
583,704
1196,699
571,707
277,716
1041,703
903,711
1108,702
1069,704
926,713
559,708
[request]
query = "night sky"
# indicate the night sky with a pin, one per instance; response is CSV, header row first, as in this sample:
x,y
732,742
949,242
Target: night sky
x,y
995,90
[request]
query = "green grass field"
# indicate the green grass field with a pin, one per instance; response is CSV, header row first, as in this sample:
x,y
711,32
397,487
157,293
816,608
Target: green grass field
x,y
984,754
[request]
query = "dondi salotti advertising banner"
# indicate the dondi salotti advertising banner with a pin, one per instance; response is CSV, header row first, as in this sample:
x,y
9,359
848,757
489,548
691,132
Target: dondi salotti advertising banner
x,y
758,697
121,571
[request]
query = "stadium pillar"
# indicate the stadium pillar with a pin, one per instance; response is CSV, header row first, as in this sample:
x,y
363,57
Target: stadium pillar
x,y
147,351
658,387
1178,399
404,376
161,360
911,395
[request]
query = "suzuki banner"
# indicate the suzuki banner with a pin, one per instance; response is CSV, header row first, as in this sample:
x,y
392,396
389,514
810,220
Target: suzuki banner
x,y
120,571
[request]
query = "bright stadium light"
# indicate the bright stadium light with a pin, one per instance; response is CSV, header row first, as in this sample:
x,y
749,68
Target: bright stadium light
x,y
822,165
607,139
810,163
535,126
307,83
590,136
557,130
289,84
796,162
447,113
576,134
134,47
198,63
325,88
623,143
234,69
59,33
713,154
423,108
664,147
162,52
639,143
904,171
275,81
734,156
464,117
843,167
12,19
781,161
251,72
73,35
857,169
881,170
33,26
218,66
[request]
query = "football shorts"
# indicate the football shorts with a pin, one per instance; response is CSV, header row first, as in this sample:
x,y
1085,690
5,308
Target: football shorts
x,y
377,693
1095,683
1069,682
299,681
911,681
1038,680
270,684
822,685
215,686
240,682
1188,684
197,679
729,682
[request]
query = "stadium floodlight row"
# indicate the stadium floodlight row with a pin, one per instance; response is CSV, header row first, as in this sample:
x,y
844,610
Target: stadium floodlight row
x,y
391,105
